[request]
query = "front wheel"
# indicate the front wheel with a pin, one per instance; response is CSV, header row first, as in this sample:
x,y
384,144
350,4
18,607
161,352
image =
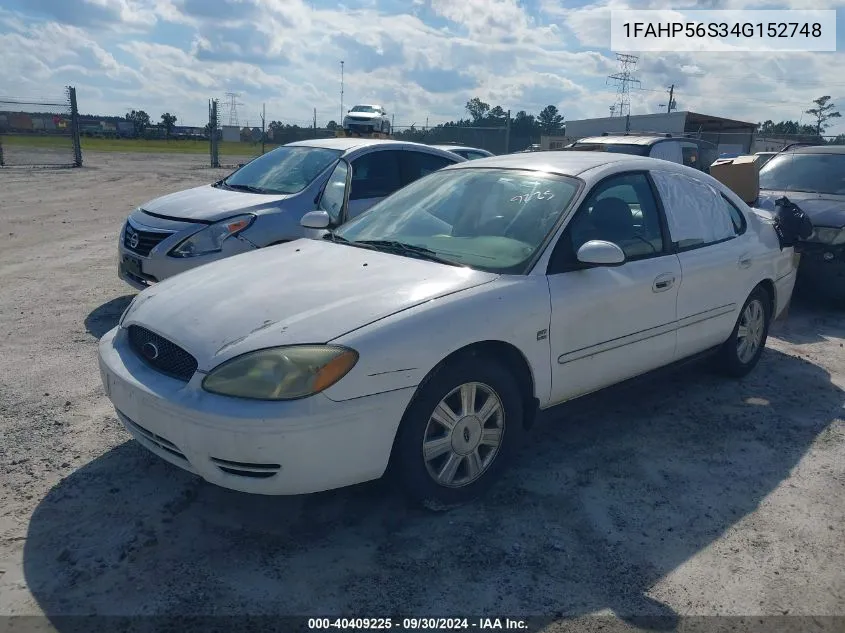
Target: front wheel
x,y
742,351
459,433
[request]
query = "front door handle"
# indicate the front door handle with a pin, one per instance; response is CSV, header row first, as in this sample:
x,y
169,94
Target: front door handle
x,y
663,282
744,261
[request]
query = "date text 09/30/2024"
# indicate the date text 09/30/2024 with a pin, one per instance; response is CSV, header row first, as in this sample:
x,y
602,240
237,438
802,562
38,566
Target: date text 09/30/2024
x,y
416,624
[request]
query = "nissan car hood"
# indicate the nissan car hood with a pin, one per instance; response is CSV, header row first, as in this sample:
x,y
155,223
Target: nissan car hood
x,y
306,291
209,204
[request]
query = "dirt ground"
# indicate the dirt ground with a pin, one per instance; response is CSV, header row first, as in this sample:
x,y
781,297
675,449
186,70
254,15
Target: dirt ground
x,y
673,496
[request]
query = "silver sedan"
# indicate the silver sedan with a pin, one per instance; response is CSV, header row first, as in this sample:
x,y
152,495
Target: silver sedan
x,y
262,203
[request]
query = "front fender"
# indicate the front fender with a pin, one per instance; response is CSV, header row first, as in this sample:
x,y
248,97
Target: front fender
x,y
400,350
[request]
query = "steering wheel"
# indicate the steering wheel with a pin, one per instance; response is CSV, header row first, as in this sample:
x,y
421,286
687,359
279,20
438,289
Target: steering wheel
x,y
497,225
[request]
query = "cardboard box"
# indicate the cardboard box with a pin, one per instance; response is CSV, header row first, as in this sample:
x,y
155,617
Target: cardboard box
x,y
740,174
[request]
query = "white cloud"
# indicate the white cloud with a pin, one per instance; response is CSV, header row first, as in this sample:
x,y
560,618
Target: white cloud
x,y
176,54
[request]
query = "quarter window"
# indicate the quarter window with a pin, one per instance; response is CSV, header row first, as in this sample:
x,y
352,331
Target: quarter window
x,y
697,214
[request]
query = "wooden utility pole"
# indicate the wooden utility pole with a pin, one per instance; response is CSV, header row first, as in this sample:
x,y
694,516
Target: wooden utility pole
x,y
671,100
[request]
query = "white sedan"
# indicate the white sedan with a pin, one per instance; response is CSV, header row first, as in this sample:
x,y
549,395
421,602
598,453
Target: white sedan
x,y
422,338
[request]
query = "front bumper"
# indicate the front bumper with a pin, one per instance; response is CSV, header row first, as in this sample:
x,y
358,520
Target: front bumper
x,y
272,448
362,126
822,269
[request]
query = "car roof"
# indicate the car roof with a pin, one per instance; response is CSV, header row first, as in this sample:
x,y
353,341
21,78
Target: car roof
x,y
367,105
817,149
627,140
449,147
568,163
343,143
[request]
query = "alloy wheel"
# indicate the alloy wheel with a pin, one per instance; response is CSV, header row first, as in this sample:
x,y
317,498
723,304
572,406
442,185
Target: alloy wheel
x,y
463,435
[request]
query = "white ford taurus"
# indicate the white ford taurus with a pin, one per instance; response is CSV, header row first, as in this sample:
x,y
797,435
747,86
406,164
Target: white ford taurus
x,y
422,338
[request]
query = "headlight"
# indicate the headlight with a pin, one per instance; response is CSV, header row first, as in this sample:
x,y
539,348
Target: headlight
x,y
211,238
281,373
827,235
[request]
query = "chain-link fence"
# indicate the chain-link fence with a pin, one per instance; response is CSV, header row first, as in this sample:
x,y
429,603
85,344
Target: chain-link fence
x,y
40,132
232,145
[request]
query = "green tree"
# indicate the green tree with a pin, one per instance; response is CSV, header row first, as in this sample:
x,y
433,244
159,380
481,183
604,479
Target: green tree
x,y
477,109
824,111
332,125
168,121
497,115
550,120
140,121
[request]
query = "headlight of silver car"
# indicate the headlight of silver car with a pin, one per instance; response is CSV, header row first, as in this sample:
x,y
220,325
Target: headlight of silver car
x,y
211,238
827,235
281,373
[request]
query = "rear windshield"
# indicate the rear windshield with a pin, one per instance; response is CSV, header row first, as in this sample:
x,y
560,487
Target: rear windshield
x,y
287,169
814,173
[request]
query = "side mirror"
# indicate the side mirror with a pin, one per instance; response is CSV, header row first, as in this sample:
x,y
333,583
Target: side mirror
x,y
601,253
316,220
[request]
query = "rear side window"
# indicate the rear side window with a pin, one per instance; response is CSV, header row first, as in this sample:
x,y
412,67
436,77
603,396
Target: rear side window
x,y
375,175
419,164
667,150
697,214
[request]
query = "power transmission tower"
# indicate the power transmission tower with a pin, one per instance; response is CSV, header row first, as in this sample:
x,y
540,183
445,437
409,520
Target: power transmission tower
x,y
613,109
623,80
232,104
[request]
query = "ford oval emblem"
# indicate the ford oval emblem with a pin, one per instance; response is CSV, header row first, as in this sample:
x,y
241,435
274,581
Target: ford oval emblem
x,y
150,351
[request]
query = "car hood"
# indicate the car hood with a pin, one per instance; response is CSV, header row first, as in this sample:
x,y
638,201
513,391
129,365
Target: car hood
x,y
207,203
822,209
307,291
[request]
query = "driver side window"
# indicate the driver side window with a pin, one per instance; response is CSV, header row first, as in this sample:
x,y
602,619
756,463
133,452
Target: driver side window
x,y
621,209
335,192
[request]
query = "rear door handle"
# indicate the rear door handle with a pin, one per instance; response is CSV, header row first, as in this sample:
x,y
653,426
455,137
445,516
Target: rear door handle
x,y
663,282
745,261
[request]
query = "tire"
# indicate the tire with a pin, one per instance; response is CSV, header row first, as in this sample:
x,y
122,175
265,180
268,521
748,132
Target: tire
x,y
465,446
734,359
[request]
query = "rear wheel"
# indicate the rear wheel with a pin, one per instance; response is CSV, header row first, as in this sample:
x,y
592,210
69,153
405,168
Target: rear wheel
x,y
742,351
459,433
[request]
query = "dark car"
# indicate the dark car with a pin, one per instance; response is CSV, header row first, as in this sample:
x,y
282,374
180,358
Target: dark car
x,y
813,177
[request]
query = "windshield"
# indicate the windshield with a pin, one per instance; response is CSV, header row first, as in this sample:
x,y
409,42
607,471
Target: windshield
x,y
363,109
616,148
489,219
814,173
286,169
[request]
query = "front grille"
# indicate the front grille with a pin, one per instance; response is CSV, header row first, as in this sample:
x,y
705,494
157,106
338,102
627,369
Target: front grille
x,y
161,354
147,240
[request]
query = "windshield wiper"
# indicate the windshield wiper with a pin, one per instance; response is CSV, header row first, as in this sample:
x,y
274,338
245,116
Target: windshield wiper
x,y
248,188
401,248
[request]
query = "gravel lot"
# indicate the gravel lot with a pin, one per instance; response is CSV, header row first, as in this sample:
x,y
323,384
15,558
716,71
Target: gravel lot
x,y
676,495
